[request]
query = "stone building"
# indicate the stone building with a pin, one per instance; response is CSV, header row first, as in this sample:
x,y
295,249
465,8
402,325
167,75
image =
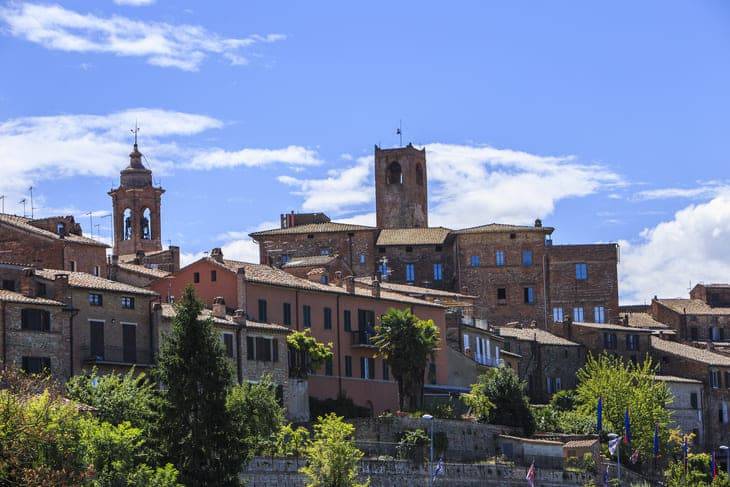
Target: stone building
x,y
687,405
56,242
713,371
339,312
35,331
515,271
548,362
629,343
136,211
704,317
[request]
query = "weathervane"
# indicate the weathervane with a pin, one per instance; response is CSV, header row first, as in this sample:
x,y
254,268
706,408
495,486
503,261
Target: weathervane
x,y
135,131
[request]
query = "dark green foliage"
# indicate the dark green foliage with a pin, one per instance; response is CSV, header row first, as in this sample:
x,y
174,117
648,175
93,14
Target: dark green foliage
x,y
196,376
499,398
256,415
413,445
307,353
563,400
341,406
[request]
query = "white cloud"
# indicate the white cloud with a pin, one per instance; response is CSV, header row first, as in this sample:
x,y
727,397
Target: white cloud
x,y
469,185
134,3
692,247
218,158
705,189
180,46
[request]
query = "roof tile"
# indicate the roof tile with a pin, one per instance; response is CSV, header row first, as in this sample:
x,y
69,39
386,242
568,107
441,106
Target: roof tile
x,y
413,236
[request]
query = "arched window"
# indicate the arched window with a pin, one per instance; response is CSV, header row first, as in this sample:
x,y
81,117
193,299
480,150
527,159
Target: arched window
x,y
419,175
145,224
127,224
394,175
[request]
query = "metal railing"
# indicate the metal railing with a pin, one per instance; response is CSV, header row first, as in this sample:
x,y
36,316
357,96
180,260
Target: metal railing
x,y
362,338
115,354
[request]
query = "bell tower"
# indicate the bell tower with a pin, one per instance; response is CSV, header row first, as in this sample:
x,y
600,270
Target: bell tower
x,y
136,208
401,194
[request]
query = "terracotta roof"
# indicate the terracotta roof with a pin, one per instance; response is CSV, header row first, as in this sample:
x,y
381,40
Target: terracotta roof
x,y
88,281
534,441
643,320
311,261
580,443
13,297
690,352
23,223
610,326
531,334
693,307
140,269
168,311
312,228
501,227
408,289
270,275
413,236
674,378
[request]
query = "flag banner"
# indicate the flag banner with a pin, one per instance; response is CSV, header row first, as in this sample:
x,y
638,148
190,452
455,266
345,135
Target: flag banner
x,y
635,456
613,445
627,427
656,440
439,470
599,416
530,477
713,464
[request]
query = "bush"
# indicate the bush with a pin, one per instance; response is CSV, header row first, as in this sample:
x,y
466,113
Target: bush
x,y
499,398
413,445
564,400
289,442
256,414
341,406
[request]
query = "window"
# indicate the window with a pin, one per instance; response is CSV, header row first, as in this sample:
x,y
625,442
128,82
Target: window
x,y
97,272
367,368
263,315
307,311
512,236
9,285
127,302
60,228
35,319
366,320
694,333
250,355
502,294
41,289
386,371
499,258
723,413
36,365
714,334
558,384
266,349
438,248
96,299
324,279
578,314
632,342
348,366
693,400
581,271
129,343
325,251
474,261
228,343
196,277
714,379
529,295
409,249
381,250
394,174
609,341
410,273
527,258
466,342
328,366
287,314
347,320
558,315
550,385
96,337
362,259
72,266
438,272
213,276
599,314
328,318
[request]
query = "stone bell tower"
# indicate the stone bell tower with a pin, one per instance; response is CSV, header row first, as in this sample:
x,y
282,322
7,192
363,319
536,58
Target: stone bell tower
x,y
136,209
401,194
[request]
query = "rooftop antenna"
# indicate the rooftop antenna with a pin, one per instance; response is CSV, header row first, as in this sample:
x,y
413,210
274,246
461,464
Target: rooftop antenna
x,y
108,215
91,220
32,213
23,201
399,132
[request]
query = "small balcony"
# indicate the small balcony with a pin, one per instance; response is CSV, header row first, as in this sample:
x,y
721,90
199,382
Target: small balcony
x,y
111,355
362,339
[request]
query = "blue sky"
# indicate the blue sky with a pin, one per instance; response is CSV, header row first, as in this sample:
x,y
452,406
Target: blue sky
x,y
606,121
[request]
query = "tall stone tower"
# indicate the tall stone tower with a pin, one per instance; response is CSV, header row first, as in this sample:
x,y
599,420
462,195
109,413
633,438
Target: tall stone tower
x,y
136,207
401,195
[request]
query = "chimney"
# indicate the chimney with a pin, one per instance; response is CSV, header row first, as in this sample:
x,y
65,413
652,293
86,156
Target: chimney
x,y
538,223
241,288
219,307
217,254
338,279
139,257
350,284
239,316
27,283
60,288
376,288
113,267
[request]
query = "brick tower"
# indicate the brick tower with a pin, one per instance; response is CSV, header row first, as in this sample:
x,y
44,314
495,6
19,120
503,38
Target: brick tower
x,y
401,195
136,207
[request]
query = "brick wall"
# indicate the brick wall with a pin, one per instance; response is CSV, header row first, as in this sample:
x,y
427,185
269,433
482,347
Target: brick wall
x,y
402,203
592,339
423,258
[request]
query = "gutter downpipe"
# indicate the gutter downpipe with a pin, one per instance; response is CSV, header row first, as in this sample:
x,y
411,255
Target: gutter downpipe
x,y
339,349
544,290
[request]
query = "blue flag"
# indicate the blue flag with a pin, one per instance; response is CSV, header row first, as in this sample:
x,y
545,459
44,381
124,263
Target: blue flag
x,y
599,416
627,428
656,440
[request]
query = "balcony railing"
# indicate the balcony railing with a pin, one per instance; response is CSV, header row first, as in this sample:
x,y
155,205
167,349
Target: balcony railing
x,y
362,338
117,355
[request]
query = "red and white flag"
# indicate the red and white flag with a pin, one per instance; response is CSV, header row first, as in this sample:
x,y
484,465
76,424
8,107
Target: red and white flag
x,y
530,477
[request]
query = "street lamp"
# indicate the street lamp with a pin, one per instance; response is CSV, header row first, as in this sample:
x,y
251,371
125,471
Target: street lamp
x,y
727,457
613,436
428,417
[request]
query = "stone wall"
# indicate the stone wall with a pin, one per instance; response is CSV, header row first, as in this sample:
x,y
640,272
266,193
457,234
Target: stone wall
x,y
423,258
277,472
401,202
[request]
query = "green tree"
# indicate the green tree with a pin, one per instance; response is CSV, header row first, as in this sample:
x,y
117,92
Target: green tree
x,y
626,385
332,457
309,353
256,414
289,442
499,397
697,475
407,343
195,425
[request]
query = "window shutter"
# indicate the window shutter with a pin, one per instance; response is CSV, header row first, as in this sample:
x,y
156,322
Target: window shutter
x,y
250,353
362,367
275,349
25,364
